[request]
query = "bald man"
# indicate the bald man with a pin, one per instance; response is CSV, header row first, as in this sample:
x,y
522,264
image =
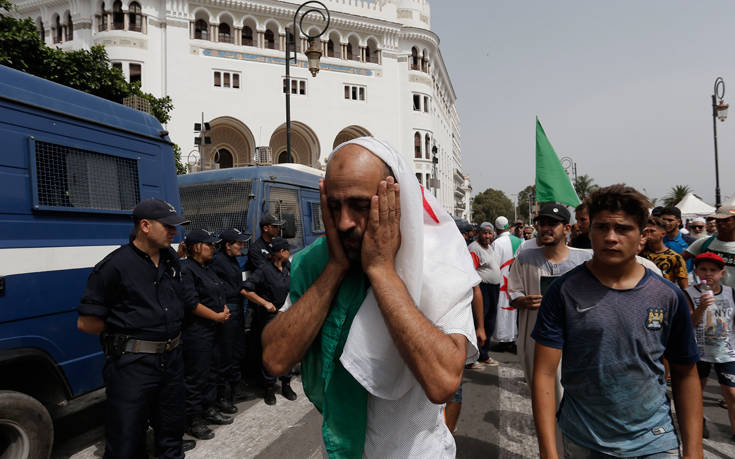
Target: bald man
x,y
334,282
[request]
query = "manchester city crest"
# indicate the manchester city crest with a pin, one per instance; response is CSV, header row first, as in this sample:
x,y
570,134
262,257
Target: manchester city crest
x,y
655,318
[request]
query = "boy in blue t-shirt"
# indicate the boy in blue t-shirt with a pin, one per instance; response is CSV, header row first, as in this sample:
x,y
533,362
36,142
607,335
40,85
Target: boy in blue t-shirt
x,y
614,321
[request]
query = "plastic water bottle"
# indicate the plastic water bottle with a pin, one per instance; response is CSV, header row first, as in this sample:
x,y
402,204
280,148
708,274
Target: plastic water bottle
x,y
706,289
706,292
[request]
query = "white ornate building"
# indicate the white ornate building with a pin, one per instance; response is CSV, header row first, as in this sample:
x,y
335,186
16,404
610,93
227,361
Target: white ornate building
x,y
382,74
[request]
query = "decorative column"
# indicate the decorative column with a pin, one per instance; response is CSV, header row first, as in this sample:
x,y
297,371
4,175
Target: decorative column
x,y
260,39
325,44
380,56
362,54
191,30
238,36
144,25
213,29
343,50
282,41
126,21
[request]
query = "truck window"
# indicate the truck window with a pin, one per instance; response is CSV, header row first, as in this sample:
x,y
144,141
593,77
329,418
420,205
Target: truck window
x,y
284,205
67,178
216,206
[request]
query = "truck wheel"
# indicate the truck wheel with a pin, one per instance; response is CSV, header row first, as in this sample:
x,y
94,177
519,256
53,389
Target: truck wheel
x,y
26,430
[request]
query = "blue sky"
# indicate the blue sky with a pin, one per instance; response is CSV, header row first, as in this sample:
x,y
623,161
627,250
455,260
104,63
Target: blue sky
x,y
622,87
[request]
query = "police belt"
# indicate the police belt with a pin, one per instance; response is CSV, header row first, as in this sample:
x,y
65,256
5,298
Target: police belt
x,y
152,347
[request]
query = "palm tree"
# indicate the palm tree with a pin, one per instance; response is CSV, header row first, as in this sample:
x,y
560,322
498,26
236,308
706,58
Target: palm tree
x,y
584,185
676,194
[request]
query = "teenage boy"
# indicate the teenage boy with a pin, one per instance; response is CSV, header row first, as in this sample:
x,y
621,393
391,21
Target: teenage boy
x,y
615,321
712,316
670,263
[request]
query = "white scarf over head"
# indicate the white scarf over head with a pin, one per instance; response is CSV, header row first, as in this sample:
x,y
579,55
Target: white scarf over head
x,y
434,264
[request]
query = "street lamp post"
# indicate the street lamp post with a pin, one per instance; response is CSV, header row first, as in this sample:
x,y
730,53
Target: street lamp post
x,y
313,54
719,111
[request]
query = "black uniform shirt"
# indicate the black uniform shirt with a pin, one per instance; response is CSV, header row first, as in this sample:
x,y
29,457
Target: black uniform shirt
x,y
270,283
133,296
201,285
257,255
228,270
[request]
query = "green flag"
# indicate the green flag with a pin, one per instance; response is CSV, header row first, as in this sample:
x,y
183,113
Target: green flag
x,y
552,181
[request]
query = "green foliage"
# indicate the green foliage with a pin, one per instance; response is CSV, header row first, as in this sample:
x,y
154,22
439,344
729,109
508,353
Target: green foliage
x,y
676,194
526,199
90,71
584,185
489,205
180,167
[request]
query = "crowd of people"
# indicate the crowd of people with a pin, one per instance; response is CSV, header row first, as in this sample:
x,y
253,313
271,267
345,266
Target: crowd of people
x,y
386,312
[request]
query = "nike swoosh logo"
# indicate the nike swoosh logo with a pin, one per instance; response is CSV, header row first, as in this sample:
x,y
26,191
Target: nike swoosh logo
x,y
585,309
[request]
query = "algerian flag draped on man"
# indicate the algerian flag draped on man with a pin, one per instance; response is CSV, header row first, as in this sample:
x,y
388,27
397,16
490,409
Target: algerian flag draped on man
x,y
552,181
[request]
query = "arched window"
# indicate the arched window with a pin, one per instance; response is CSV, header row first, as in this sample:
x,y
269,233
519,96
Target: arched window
x,y
425,62
223,157
427,145
69,27
135,17
417,146
118,17
58,36
201,30
414,59
224,35
41,31
103,19
284,157
420,178
349,51
270,39
368,57
330,48
371,52
247,36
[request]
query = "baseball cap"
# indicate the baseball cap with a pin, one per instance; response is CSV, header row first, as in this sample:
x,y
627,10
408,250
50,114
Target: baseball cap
x,y
554,211
234,235
501,223
725,212
270,220
279,243
709,256
200,235
156,209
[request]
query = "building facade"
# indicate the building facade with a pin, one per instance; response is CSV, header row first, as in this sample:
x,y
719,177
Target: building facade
x,y
382,74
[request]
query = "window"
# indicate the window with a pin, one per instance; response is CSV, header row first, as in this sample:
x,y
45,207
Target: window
x,y
291,42
298,86
247,36
118,17
349,51
414,59
427,142
224,35
223,158
69,27
41,31
330,48
201,30
68,178
270,39
135,18
226,79
354,92
58,37
117,65
417,146
426,104
103,19
420,178
136,73
317,225
416,103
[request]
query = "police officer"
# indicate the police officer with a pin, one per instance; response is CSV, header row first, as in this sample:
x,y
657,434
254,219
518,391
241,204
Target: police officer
x,y
131,300
267,289
259,251
203,293
230,341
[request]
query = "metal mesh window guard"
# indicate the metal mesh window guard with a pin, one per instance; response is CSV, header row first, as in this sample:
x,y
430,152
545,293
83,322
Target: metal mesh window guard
x,y
317,225
284,205
216,206
73,178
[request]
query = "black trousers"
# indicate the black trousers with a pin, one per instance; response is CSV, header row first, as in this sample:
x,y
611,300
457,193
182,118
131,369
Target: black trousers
x,y
490,293
142,388
200,379
230,345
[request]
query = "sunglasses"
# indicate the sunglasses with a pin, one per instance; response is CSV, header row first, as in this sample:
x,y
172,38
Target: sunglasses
x,y
698,226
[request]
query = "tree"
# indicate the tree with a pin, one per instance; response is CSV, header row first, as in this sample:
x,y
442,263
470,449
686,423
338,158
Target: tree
x,y
491,204
584,185
90,70
526,200
676,194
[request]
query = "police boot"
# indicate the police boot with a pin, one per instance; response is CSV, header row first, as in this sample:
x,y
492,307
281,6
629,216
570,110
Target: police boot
x,y
212,416
240,392
224,400
188,445
197,428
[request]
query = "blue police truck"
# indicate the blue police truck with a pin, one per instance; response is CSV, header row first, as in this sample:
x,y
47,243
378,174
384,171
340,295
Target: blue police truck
x,y
72,168
219,199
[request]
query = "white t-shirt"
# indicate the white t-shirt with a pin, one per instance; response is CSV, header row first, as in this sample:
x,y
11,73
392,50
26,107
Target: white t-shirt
x,y
489,269
724,249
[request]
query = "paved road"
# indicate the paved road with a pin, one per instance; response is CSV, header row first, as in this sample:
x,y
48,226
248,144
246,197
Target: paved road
x,y
496,422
